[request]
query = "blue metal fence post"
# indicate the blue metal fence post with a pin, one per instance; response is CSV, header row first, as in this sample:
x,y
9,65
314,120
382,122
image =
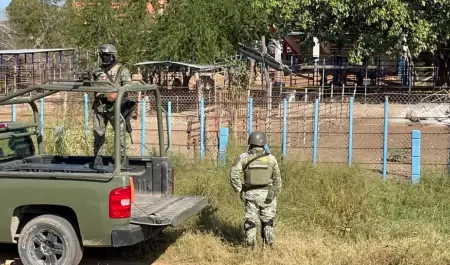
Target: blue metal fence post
x,y
223,143
350,132
13,114
86,114
169,124
250,116
42,116
284,140
202,128
415,156
385,137
143,123
316,129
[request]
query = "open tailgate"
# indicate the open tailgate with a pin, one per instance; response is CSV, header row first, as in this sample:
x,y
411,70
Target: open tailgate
x,y
163,211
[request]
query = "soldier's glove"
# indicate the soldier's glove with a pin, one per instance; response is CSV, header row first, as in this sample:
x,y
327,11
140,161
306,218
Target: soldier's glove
x,y
270,196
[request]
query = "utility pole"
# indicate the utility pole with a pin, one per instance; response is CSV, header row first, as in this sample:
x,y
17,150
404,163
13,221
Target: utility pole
x,y
269,88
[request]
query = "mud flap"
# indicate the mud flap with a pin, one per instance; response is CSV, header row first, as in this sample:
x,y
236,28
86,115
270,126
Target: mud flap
x,y
165,211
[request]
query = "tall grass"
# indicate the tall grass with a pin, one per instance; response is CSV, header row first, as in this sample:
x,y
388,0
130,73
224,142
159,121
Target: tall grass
x,y
326,215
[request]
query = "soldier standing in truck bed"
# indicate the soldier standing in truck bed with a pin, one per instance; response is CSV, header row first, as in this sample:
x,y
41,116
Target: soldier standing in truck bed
x,y
103,105
262,184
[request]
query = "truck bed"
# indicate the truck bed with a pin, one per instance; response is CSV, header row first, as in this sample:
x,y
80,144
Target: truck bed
x,y
151,175
67,165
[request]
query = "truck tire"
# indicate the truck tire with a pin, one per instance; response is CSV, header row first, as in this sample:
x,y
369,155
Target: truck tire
x,y
49,239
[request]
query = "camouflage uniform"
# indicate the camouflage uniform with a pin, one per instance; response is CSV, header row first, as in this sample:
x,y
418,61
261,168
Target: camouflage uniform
x,y
104,110
260,201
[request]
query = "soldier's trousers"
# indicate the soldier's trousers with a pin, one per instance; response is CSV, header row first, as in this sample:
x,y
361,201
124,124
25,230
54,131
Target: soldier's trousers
x,y
257,211
101,120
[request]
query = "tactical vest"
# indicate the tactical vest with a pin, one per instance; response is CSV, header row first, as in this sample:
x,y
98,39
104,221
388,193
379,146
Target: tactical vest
x,y
100,99
258,172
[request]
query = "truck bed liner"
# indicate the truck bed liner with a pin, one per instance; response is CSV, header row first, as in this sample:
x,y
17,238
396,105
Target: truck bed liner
x,y
165,211
74,164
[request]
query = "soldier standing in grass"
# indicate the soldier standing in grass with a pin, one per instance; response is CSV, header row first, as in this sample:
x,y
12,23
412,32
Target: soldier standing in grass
x,y
262,184
103,105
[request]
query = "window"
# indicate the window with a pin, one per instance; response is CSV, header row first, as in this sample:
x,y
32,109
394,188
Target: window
x,y
15,147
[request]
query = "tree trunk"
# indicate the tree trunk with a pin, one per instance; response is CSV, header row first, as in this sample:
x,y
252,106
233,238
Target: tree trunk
x,y
442,60
251,75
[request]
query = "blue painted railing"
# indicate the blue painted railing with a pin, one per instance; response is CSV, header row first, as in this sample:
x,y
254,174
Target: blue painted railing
x,y
223,133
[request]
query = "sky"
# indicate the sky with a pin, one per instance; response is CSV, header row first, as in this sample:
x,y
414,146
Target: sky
x,y
4,3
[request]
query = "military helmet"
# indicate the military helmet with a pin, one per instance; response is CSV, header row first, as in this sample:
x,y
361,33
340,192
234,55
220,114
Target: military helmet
x,y
108,49
257,138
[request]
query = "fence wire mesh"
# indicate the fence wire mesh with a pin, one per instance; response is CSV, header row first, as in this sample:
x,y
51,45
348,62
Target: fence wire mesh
x,y
428,113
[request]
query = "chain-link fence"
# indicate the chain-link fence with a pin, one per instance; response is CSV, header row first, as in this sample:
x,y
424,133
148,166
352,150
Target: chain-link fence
x,y
343,129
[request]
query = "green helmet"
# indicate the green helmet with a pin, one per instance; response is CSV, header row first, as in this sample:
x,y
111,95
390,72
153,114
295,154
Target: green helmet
x,y
257,138
108,54
108,49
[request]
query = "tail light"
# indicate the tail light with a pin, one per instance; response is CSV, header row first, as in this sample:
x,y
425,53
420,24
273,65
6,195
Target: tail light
x,y
120,203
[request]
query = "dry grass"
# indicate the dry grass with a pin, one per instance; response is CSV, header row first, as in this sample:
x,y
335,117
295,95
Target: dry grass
x,y
327,215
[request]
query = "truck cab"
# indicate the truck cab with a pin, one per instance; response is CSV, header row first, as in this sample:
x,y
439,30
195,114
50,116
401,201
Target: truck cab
x,y
54,206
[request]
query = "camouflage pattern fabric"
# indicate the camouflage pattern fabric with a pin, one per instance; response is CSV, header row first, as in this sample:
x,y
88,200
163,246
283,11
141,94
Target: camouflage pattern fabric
x,y
101,120
104,111
123,80
261,203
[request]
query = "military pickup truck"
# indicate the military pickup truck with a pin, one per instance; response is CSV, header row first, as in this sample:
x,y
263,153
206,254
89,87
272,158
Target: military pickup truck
x,y
53,206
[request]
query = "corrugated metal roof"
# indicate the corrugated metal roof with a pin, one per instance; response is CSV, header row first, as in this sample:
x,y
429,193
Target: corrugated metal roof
x,y
196,66
151,62
28,51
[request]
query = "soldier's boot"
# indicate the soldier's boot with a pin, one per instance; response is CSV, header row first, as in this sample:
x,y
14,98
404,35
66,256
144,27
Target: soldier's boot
x,y
250,234
250,244
267,233
97,162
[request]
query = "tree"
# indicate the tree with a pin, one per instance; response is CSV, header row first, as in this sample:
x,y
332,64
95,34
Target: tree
x,y
203,31
431,32
38,23
373,26
6,32
122,23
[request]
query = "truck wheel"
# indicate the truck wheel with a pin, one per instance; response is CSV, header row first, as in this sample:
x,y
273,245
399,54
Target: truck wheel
x,y
49,239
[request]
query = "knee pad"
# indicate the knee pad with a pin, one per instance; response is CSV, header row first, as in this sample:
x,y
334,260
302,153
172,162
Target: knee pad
x,y
268,223
249,225
99,134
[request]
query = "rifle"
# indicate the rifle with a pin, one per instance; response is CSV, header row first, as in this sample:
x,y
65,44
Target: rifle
x,y
86,76
127,110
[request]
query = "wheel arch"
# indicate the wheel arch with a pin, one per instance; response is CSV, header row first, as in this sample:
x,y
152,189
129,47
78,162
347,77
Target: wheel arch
x,y
23,214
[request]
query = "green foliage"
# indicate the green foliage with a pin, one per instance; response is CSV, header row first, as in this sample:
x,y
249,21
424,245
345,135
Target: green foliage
x,y
205,30
39,23
99,22
371,26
